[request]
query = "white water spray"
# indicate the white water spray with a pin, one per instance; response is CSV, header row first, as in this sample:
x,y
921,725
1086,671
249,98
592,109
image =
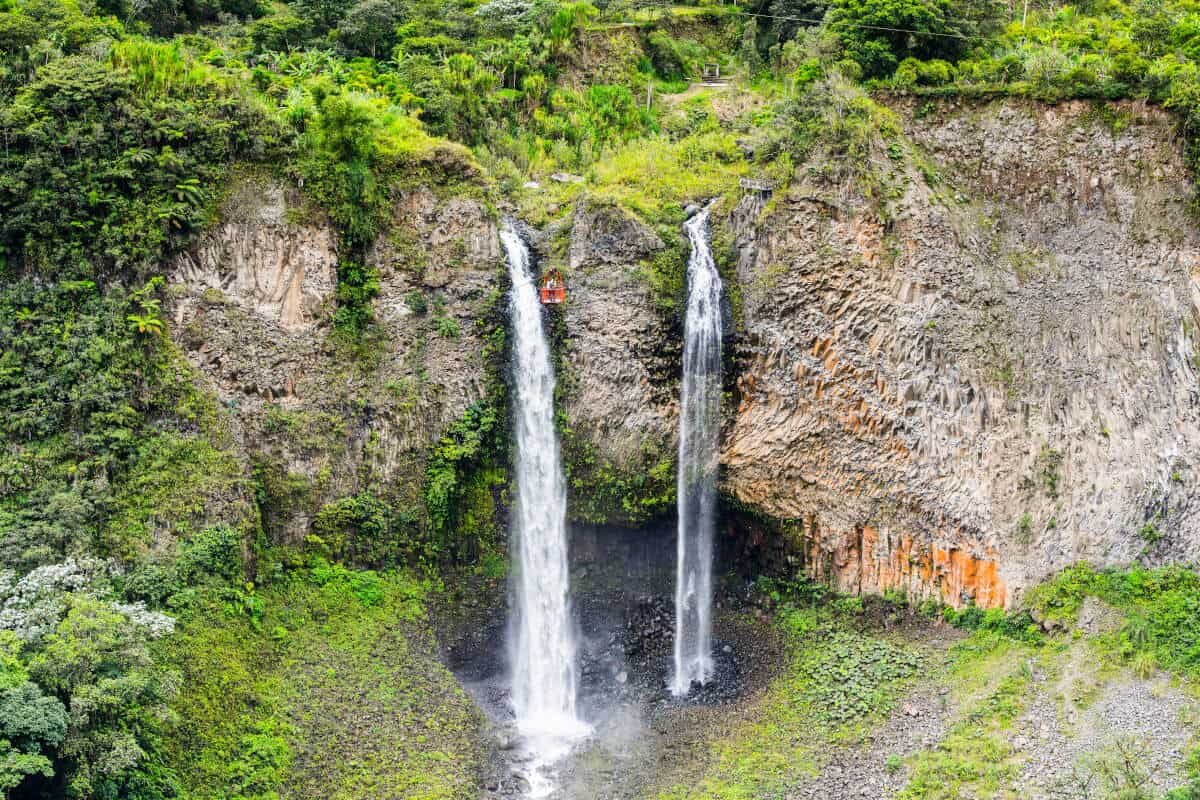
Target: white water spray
x,y
699,430
542,638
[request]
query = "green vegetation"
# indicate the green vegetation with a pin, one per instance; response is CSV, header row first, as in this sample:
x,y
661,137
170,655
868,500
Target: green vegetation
x,y
278,680
780,738
1154,625
464,474
108,162
109,443
79,636
843,674
362,529
1161,608
976,757
603,493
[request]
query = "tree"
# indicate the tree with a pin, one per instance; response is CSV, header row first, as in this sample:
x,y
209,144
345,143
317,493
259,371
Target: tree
x,y
612,115
789,15
665,55
749,49
31,724
505,18
17,31
97,660
281,31
163,16
879,33
369,27
322,15
469,84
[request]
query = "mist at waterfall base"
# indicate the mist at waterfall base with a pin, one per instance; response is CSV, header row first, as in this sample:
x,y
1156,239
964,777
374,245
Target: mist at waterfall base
x,y
699,430
622,596
543,648
575,670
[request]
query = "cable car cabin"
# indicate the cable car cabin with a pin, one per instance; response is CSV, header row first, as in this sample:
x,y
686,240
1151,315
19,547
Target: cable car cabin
x,y
554,290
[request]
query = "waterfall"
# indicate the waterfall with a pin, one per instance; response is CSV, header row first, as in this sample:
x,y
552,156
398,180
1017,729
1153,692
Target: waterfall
x,y
542,637
699,430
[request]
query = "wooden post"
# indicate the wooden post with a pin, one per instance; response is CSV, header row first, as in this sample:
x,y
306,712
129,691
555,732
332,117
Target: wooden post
x,y
649,94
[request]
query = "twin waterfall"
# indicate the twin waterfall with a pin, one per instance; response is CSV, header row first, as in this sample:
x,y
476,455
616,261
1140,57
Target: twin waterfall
x,y
696,484
544,653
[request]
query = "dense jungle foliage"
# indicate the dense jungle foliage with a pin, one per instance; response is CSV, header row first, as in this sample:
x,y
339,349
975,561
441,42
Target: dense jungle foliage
x,y
135,569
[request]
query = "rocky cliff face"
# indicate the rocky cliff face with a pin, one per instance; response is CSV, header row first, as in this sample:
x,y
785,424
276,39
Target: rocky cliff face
x,y
617,395
980,375
992,376
620,379
254,302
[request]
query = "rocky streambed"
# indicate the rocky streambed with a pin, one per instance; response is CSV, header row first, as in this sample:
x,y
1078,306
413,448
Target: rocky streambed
x,y
622,588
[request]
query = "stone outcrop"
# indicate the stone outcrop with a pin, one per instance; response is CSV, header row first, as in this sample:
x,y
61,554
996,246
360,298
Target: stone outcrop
x,y
253,292
256,258
621,377
253,310
620,361
968,368
991,377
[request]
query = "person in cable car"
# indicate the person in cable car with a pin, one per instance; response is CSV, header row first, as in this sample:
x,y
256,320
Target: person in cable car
x,y
554,290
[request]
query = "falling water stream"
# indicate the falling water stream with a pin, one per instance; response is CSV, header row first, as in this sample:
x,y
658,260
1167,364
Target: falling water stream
x,y
699,428
542,638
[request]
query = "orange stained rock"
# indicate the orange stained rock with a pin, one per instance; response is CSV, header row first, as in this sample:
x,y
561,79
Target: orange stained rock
x,y
864,561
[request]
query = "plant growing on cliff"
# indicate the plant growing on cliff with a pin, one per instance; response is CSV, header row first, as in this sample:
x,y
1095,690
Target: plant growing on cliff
x,y
363,529
358,286
415,300
148,127
447,327
1046,474
461,468
1162,606
1025,528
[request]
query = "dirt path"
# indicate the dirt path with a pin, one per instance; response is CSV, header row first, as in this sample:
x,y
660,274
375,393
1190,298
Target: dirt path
x,y
693,90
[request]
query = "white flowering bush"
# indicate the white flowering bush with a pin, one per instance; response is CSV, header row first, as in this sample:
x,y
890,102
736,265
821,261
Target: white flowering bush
x,y
154,623
32,605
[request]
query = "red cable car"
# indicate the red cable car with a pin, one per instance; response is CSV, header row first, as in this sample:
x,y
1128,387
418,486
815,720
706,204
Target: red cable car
x,y
554,289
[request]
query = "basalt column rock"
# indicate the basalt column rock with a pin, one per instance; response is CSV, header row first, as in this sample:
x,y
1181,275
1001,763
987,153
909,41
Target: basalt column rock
x,y
253,312
621,396
991,375
259,279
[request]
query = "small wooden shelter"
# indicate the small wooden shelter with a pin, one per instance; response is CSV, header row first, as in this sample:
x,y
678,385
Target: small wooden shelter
x,y
757,186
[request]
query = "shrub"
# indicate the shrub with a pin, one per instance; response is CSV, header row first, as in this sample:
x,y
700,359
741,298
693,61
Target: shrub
x,y
877,34
912,72
415,300
117,204
462,453
665,55
361,529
